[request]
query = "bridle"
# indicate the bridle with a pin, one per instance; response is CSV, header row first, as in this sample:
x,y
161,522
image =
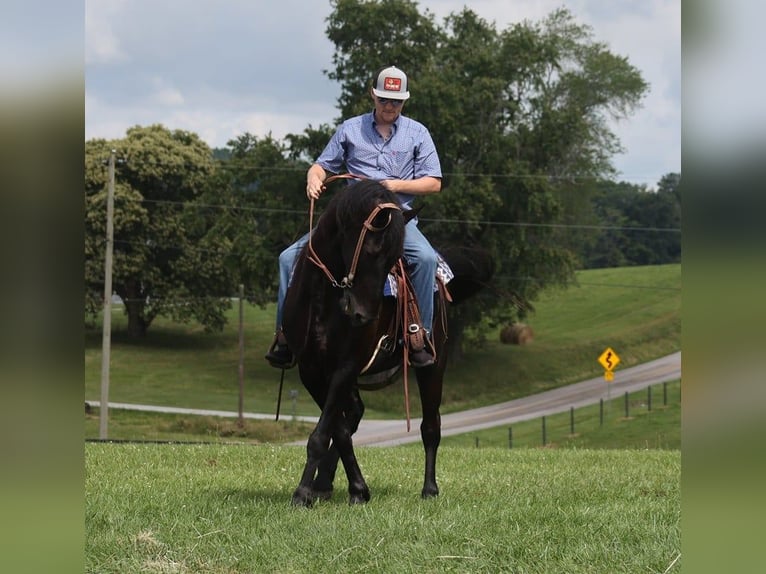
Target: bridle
x,y
348,281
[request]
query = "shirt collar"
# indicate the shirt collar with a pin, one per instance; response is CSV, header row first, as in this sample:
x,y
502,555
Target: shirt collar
x,y
374,122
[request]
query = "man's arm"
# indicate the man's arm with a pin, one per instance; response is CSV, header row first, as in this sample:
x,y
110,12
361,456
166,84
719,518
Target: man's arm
x,y
421,186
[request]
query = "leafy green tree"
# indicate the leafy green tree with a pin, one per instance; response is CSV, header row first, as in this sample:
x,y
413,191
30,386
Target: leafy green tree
x,y
308,145
166,259
520,117
640,226
261,208
370,34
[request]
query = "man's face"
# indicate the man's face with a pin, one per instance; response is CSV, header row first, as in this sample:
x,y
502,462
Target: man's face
x,y
387,110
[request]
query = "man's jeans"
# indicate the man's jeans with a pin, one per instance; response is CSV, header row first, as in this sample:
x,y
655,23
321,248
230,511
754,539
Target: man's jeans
x,y
420,258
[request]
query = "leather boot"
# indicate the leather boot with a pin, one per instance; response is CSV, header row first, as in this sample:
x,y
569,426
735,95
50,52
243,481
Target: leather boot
x,y
421,358
420,354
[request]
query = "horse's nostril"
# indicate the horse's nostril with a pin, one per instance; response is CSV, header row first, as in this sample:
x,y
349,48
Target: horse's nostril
x,y
359,319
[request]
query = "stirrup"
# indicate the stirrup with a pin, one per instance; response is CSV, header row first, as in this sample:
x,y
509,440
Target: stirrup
x,y
419,342
280,356
421,358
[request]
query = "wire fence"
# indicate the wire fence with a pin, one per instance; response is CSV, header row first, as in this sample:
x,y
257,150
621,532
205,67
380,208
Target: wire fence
x,y
608,421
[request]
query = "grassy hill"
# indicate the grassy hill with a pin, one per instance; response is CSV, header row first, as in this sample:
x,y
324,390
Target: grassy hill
x,y
635,311
225,509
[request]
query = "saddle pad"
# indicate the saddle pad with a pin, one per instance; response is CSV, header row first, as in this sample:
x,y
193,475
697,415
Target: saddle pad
x,y
443,273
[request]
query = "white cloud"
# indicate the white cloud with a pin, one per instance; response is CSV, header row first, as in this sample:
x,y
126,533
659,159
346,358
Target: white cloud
x,y
224,68
102,45
165,95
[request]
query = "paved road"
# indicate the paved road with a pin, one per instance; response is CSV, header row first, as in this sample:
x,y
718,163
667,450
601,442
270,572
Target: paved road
x,y
388,433
394,432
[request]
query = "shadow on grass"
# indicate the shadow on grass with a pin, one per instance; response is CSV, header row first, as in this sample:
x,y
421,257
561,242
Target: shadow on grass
x,y
243,496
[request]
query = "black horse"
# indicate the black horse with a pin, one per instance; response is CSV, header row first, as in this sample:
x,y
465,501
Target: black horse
x,y
334,315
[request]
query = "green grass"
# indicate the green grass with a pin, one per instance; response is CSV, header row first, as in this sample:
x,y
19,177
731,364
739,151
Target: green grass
x,y
659,428
636,311
225,509
150,426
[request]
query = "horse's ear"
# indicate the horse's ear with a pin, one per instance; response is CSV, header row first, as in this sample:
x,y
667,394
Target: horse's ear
x,y
411,213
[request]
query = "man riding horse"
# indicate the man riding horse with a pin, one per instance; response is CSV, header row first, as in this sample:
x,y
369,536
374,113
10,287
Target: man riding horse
x,y
398,152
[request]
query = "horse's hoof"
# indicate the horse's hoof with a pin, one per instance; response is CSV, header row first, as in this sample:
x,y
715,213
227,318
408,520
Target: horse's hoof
x,y
429,492
302,498
323,494
362,497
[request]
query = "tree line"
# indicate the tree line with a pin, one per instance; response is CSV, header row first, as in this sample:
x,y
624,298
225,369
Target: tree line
x,y
521,120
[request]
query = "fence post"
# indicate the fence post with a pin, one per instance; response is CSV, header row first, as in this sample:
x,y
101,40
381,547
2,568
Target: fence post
x,y
601,412
510,438
665,393
649,398
544,437
477,442
571,420
627,408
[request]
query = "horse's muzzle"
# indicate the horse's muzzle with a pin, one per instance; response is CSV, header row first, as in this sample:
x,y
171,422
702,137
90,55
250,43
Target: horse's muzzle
x,y
358,314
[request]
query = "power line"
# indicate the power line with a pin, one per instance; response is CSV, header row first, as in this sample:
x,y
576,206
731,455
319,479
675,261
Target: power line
x,y
488,223
233,165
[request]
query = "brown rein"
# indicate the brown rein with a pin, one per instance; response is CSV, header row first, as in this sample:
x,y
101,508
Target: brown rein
x,y
348,280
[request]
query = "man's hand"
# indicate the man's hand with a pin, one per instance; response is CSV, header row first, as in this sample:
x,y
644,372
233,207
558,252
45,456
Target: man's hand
x,y
314,188
315,182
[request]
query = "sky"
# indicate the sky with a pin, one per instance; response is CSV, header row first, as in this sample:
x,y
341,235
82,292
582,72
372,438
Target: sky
x,y
223,68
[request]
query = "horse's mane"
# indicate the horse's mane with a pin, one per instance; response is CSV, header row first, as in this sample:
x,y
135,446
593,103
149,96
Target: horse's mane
x,y
351,205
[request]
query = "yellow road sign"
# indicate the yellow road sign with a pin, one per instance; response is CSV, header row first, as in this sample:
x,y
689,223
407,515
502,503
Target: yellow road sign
x,y
609,359
608,376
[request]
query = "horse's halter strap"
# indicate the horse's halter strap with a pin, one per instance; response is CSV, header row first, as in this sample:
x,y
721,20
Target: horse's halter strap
x,y
348,280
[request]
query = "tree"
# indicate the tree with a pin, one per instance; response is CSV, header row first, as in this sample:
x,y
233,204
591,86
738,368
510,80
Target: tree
x,y
262,208
519,117
640,226
166,260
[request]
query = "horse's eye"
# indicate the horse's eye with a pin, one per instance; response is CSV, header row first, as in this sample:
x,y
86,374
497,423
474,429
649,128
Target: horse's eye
x,y
373,244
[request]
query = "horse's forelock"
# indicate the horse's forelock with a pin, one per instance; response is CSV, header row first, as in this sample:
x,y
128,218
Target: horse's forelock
x,y
355,203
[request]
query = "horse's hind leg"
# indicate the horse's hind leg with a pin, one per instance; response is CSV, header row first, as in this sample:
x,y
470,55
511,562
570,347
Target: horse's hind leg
x,y
323,483
430,385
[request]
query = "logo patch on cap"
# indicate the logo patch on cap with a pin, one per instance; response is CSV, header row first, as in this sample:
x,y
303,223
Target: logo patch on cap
x,y
392,84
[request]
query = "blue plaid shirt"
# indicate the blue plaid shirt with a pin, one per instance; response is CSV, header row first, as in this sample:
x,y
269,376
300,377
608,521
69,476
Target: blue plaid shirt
x,y
408,154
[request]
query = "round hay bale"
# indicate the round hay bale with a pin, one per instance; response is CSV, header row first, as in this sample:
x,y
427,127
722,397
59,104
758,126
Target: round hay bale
x,y
516,334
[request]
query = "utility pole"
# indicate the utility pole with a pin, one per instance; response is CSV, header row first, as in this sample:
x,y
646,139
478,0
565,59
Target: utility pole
x,y
107,319
241,370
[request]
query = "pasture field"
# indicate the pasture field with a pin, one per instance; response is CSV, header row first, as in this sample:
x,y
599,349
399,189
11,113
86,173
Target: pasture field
x,y
633,310
224,509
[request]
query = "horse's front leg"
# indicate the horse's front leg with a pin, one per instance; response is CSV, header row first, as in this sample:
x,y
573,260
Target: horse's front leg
x,y
323,483
316,448
430,386
332,424
358,491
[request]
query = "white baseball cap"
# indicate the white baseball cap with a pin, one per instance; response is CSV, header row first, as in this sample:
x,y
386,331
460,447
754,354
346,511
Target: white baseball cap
x,y
391,83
